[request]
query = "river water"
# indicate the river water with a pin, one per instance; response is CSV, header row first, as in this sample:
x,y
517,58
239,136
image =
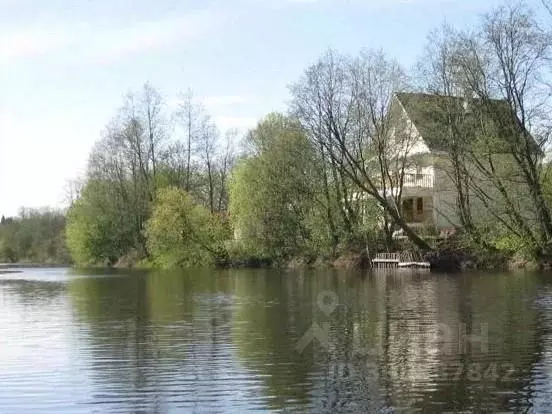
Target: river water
x,y
267,341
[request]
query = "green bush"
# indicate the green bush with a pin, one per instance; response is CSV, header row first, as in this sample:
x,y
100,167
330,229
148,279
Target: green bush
x,y
182,233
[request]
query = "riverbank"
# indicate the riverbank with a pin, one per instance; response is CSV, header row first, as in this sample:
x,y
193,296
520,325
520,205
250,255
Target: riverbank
x,y
450,256
4,266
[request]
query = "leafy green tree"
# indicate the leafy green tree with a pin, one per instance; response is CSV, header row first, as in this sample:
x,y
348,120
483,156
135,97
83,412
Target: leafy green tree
x,y
99,230
273,191
8,251
182,233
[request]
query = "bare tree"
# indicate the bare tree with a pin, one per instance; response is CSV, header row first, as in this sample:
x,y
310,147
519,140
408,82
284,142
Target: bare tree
x,y
547,5
345,105
493,79
152,114
190,119
197,161
521,52
174,162
508,59
443,78
225,161
385,138
311,109
207,149
73,190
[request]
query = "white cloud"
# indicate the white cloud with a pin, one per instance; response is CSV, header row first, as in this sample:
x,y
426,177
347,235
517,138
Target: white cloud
x,y
103,44
151,35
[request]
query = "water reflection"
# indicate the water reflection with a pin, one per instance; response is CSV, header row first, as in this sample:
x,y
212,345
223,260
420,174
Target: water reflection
x,y
208,341
271,314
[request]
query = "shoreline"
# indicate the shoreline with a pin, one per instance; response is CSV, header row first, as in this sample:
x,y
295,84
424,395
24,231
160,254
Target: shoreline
x,y
445,260
4,266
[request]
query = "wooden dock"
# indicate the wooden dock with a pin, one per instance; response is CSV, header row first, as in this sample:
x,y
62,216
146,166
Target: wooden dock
x,y
399,260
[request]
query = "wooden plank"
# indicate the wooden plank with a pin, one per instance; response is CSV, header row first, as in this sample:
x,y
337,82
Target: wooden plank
x,y
403,260
414,264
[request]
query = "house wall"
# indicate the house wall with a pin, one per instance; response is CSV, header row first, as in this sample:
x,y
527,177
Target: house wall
x,y
446,213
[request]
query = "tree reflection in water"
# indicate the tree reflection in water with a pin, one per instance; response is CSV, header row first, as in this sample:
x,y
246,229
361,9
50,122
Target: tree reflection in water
x,y
213,340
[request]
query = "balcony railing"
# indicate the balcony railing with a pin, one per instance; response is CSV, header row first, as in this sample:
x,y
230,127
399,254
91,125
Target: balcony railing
x,y
418,180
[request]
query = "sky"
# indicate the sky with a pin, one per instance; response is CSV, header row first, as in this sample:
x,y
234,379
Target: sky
x,y
65,66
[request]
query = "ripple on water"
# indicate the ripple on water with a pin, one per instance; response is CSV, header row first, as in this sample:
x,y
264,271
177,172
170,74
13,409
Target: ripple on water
x,y
228,343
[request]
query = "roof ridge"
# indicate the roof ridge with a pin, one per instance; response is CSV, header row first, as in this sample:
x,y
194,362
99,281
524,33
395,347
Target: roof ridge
x,y
437,95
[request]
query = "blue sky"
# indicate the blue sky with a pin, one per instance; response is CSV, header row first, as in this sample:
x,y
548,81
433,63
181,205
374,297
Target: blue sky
x,y
65,65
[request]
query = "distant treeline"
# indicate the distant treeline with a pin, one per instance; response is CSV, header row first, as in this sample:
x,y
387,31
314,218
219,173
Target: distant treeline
x,y
34,236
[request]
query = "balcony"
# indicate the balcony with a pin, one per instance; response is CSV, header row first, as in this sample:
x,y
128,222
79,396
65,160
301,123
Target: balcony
x,y
418,180
413,185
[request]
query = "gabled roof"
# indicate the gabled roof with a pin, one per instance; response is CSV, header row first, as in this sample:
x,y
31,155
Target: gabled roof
x,y
491,120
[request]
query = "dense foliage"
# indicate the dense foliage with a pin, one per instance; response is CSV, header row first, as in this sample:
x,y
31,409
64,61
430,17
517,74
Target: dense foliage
x,y
35,236
182,233
100,229
273,191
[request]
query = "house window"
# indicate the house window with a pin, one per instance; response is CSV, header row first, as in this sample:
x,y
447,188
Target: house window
x,y
408,210
420,206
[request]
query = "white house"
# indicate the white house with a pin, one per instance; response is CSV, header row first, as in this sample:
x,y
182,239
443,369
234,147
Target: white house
x,y
429,196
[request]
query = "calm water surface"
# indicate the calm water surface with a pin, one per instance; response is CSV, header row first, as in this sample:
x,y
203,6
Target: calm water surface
x,y
263,341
